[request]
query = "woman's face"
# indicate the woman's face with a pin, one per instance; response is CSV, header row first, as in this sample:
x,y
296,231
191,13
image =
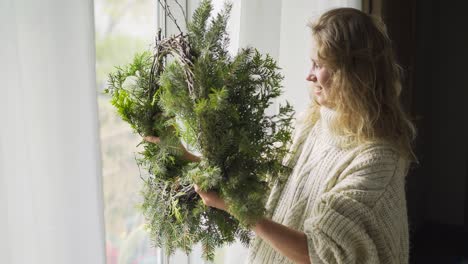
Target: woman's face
x,y
319,76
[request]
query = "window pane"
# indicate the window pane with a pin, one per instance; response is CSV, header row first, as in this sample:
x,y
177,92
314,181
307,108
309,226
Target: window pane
x,y
123,28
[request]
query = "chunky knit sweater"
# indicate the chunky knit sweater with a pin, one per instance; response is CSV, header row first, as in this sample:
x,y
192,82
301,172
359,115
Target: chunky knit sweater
x,y
349,201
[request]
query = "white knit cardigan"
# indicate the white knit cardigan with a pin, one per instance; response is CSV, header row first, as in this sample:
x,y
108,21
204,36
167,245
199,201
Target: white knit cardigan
x,y
350,202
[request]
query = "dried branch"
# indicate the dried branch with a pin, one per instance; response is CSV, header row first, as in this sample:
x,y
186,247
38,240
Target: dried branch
x,y
181,10
169,14
179,48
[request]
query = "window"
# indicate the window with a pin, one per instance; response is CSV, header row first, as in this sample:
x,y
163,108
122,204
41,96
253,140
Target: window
x,y
122,28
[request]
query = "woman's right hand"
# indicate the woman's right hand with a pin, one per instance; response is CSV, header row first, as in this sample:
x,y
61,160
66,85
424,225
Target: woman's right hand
x,y
186,154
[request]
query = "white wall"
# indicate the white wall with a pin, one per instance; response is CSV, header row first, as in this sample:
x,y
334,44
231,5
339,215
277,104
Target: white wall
x,y
260,24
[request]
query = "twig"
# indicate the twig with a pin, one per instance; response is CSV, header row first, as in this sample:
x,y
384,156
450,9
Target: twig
x,y
182,10
169,14
138,165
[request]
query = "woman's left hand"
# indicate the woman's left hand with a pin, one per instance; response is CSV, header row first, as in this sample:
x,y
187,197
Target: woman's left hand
x,y
211,199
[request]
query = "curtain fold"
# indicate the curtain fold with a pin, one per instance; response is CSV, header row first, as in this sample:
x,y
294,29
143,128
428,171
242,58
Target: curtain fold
x,y
50,166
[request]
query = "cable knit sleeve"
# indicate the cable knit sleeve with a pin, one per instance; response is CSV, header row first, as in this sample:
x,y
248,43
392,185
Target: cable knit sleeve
x,y
345,225
299,135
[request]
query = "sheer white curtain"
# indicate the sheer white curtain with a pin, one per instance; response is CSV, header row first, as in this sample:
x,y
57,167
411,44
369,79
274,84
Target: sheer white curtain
x,y
50,176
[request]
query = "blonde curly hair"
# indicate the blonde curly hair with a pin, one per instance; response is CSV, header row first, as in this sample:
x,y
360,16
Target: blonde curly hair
x,y
365,82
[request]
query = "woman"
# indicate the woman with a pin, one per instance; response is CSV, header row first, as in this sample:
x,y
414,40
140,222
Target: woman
x,y
345,199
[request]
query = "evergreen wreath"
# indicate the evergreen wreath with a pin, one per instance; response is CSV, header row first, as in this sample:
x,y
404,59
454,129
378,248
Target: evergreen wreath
x,y
191,88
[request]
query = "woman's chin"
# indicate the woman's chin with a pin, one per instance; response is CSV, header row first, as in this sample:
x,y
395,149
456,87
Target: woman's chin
x,y
319,99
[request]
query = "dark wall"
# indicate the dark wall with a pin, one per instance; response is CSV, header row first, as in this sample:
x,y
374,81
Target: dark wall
x,y
440,100
431,39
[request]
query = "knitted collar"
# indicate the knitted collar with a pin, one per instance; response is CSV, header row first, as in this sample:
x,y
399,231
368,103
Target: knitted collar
x,y
327,116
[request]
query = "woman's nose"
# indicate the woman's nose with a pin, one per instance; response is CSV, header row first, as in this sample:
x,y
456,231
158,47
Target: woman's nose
x,y
311,77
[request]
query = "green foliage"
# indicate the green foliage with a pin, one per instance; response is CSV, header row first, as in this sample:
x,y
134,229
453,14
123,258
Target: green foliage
x,y
217,104
129,89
